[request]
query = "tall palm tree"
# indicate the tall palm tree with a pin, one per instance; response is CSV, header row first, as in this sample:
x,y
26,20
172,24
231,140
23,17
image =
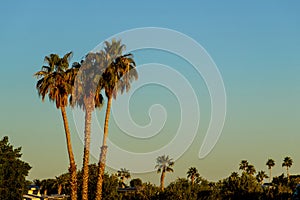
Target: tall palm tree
x,y
287,162
87,96
244,165
119,73
261,175
164,164
55,80
250,170
270,163
123,174
193,173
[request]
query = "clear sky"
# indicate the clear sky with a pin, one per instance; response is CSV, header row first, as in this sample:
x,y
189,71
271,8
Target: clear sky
x,y
255,44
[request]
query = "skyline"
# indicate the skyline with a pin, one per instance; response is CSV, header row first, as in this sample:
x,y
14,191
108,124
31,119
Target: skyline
x,y
255,47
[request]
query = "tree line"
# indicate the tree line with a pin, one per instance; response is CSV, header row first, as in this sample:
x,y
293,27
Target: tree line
x,y
244,185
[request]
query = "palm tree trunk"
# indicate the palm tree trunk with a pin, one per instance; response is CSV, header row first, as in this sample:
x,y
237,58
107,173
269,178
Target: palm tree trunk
x,y
193,179
59,189
72,168
123,183
102,159
86,153
270,175
162,180
287,173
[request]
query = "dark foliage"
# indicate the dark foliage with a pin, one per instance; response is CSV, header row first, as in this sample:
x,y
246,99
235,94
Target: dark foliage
x,y
12,171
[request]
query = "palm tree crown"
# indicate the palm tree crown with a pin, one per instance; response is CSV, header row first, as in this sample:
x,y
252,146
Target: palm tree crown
x,y
250,170
270,163
123,174
86,82
53,79
287,162
261,175
244,165
164,163
118,76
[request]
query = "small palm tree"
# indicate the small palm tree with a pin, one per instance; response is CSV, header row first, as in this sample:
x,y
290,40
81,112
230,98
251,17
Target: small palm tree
x,y
261,175
250,170
234,175
61,183
164,164
287,162
192,174
55,80
270,163
124,174
244,165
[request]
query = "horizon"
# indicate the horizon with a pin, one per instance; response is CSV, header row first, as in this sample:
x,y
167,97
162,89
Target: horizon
x,y
255,47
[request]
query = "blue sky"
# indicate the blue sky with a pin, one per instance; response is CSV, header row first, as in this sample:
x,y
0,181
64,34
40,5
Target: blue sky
x,y
255,45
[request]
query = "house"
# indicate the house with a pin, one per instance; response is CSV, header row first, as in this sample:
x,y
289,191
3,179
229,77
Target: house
x,y
34,194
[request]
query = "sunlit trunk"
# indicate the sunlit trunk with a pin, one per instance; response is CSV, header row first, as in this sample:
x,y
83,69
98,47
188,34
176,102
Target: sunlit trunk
x,y
102,159
287,173
86,153
72,168
162,180
59,189
123,182
270,175
193,179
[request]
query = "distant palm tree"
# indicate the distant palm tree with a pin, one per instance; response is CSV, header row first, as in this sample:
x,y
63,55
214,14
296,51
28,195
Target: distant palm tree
x,y
234,175
55,80
250,170
270,163
244,165
261,175
287,162
86,95
192,174
123,174
119,72
164,164
61,183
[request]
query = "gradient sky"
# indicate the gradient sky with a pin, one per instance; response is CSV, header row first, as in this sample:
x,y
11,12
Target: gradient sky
x,y
255,44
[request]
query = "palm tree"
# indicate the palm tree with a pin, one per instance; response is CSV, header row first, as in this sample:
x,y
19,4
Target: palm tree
x,y
244,165
87,96
123,174
192,174
261,175
270,163
287,162
164,164
250,170
61,183
119,73
234,175
55,80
